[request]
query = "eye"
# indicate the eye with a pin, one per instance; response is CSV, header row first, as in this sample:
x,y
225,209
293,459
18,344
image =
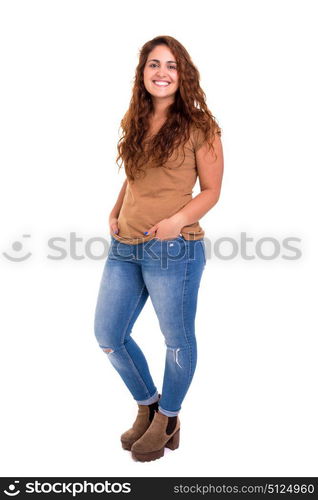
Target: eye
x,y
151,65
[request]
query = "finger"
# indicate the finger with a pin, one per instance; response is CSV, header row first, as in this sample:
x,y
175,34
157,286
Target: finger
x,y
152,230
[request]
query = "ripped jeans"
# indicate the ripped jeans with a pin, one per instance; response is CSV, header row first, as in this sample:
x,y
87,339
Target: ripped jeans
x,y
170,272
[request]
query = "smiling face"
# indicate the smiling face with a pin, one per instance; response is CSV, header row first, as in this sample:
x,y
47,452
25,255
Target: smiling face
x,y
161,75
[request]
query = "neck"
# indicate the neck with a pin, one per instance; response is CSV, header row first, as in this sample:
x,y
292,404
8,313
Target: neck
x,y
160,108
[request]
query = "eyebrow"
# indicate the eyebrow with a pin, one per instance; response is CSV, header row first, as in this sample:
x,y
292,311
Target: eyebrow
x,y
157,60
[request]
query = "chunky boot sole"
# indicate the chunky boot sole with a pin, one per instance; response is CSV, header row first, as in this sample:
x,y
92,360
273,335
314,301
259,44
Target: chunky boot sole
x,y
172,444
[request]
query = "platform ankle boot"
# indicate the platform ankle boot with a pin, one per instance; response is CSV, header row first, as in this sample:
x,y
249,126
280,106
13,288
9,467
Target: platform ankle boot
x,y
163,432
143,420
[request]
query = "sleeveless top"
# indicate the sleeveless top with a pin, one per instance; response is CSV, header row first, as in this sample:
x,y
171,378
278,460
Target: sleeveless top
x,y
160,193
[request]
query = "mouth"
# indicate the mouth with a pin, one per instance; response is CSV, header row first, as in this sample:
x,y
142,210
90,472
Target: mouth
x,y
160,83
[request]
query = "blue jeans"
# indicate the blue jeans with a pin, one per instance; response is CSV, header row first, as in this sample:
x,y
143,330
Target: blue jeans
x,y
170,272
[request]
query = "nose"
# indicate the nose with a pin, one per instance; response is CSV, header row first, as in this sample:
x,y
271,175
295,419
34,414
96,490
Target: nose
x,y
161,75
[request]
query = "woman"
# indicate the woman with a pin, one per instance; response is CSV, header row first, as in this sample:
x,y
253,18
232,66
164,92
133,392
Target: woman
x,y
157,247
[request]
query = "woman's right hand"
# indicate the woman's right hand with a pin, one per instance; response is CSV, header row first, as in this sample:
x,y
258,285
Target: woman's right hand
x,y
113,225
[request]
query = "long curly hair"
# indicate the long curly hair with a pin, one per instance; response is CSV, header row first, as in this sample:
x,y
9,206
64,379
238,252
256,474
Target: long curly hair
x,y
188,109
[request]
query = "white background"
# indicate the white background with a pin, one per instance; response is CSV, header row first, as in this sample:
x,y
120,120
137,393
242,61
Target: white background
x,y
67,69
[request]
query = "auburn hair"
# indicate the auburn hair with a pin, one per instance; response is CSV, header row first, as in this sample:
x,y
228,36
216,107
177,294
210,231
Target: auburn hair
x,y
188,109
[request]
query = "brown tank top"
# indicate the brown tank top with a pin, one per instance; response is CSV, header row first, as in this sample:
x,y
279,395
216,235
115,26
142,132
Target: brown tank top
x,y
161,193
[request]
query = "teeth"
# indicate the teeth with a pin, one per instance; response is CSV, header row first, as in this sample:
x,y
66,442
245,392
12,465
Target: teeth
x,y
165,84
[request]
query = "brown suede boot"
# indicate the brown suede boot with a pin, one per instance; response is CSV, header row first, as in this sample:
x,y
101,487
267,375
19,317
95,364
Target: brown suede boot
x,y
143,420
163,431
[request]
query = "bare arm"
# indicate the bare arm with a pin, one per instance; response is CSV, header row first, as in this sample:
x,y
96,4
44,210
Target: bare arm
x,y
113,216
210,172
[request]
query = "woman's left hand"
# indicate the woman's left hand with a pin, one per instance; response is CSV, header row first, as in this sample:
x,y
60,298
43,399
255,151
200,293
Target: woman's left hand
x,y
165,229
